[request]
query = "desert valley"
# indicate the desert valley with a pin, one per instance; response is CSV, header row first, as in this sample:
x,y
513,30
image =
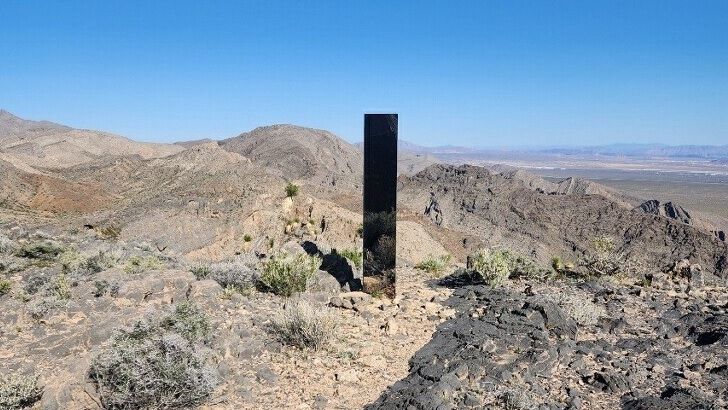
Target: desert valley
x,y
216,275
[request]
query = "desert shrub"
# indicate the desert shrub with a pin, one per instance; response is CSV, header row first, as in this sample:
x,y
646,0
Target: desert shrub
x,y
71,261
286,274
35,283
7,246
189,321
61,287
495,266
200,271
112,232
603,258
492,266
5,286
291,190
102,287
101,262
239,273
45,250
434,264
513,399
303,325
39,308
579,307
18,391
247,238
159,363
354,255
9,264
137,264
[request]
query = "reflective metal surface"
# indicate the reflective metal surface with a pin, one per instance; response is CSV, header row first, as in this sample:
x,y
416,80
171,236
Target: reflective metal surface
x,y
380,203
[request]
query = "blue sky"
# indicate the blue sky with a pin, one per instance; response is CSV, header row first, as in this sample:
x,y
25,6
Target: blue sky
x,y
485,73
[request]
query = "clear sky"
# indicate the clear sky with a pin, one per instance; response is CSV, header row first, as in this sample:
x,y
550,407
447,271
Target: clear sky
x,y
484,73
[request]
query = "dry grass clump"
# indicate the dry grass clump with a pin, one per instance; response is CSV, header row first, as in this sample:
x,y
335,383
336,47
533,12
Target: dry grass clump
x,y
7,246
17,391
159,363
137,264
286,274
513,399
434,265
579,307
304,325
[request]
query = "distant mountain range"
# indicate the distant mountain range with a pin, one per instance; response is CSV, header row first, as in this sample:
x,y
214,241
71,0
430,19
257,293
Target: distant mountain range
x,y
715,152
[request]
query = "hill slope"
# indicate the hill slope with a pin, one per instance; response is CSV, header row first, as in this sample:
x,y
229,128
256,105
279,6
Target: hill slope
x,y
313,156
508,213
43,144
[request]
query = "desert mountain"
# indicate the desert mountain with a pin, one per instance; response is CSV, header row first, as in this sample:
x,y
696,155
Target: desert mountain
x,y
44,144
316,157
510,213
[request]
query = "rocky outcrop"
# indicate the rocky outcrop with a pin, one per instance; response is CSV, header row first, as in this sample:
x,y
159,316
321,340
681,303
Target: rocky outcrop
x,y
512,350
666,209
678,213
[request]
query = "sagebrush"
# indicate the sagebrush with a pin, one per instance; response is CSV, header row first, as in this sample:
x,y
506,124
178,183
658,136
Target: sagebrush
x,y
19,391
159,363
240,273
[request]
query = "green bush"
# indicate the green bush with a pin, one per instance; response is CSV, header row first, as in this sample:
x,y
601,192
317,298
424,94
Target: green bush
x,y
101,262
5,286
45,250
355,256
602,259
200,271
137,265
71,261
17,392
159,363
247,238
291,190
189,321
434,264
287,274
303,325
61,288
495,266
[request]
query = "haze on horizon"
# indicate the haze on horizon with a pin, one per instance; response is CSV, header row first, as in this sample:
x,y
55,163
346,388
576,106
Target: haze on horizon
x,y
481,74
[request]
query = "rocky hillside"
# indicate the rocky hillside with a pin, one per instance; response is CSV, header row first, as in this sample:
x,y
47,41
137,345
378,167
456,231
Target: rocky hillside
x,y
47,145
512,214
316,157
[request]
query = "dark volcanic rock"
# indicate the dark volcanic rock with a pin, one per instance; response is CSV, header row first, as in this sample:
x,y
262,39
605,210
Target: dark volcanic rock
x,y
507,349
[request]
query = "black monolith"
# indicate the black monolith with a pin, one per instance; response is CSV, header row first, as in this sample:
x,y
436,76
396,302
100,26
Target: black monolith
x,y
380,203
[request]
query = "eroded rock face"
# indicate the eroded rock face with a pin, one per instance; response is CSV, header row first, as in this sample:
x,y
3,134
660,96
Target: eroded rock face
x,y
506,348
